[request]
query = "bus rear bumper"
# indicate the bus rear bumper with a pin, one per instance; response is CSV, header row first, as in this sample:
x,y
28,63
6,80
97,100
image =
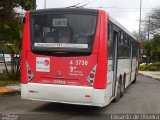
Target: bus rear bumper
x,y
63,94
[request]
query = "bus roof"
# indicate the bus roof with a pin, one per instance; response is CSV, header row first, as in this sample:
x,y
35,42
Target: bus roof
x,y
81,10
121,26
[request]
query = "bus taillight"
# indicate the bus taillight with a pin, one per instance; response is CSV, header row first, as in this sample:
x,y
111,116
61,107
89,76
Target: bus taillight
x,y
29,71
90,78
91,75
30,74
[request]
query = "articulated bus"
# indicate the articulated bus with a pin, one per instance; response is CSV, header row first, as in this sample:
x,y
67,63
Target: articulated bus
x,y
76,56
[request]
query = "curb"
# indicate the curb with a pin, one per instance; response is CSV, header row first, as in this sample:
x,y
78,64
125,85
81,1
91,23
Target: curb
x,y
4,91
11,93
150,76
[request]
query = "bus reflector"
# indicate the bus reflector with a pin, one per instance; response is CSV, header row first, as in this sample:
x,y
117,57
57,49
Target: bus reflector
x,y
29,73
91,81
90,78
91,75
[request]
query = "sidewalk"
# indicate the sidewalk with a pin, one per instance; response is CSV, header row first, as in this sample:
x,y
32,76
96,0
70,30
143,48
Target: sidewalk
x,y
153,74
10,90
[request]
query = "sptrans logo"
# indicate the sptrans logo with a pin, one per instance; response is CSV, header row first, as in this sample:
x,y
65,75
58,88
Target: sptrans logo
x,y
42,64
46,62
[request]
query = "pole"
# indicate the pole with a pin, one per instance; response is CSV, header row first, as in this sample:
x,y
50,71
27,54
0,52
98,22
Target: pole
x,y
44,4
140,20
34,5
148,28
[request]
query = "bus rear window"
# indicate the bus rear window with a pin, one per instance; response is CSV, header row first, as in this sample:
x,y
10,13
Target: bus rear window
x,y
63,32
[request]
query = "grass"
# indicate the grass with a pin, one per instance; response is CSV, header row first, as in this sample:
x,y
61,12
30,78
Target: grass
x,y
8,82
8,78
151,67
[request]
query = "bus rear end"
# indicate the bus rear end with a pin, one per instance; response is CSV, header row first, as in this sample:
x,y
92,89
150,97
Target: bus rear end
x,y
63,58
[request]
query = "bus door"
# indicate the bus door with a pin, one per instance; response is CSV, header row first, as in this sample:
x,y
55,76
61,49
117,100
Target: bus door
x,y
112,58
114,61
131,66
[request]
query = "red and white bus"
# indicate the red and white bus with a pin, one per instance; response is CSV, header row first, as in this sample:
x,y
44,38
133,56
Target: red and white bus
x,y
76,56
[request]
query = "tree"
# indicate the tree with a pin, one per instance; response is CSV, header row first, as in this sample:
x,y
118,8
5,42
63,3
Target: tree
x,y
147,50
152,23
142,35
11,27
155,48
152,49
11,42
152,30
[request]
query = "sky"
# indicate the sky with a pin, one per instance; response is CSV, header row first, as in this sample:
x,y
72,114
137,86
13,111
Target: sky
x,y
126,12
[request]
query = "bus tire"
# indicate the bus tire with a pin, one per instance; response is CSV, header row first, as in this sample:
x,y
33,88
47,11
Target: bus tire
x,y
135,78
122,88
118,96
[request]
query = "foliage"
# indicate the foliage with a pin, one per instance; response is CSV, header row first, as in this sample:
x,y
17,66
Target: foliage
x,y
151,67
11,40
155,66
8,82
152,22
8,78
142,35
152,49
26,4
155,48
143,67
11,27
8,13
147,49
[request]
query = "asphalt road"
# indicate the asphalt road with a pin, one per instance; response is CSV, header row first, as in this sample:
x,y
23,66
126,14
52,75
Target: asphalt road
x,y
140,98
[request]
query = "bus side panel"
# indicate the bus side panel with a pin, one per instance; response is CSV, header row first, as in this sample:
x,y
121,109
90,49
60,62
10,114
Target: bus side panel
x,y
124,67
25,47
100,81
134,68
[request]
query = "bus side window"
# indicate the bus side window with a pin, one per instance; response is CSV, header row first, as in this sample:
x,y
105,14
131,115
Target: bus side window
x,y
120,42
134,49
110,42
129,47
121,37
120,45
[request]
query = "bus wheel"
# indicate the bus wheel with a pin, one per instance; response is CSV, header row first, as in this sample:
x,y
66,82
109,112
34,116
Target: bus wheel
x,y
118,96
135,78
122,88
